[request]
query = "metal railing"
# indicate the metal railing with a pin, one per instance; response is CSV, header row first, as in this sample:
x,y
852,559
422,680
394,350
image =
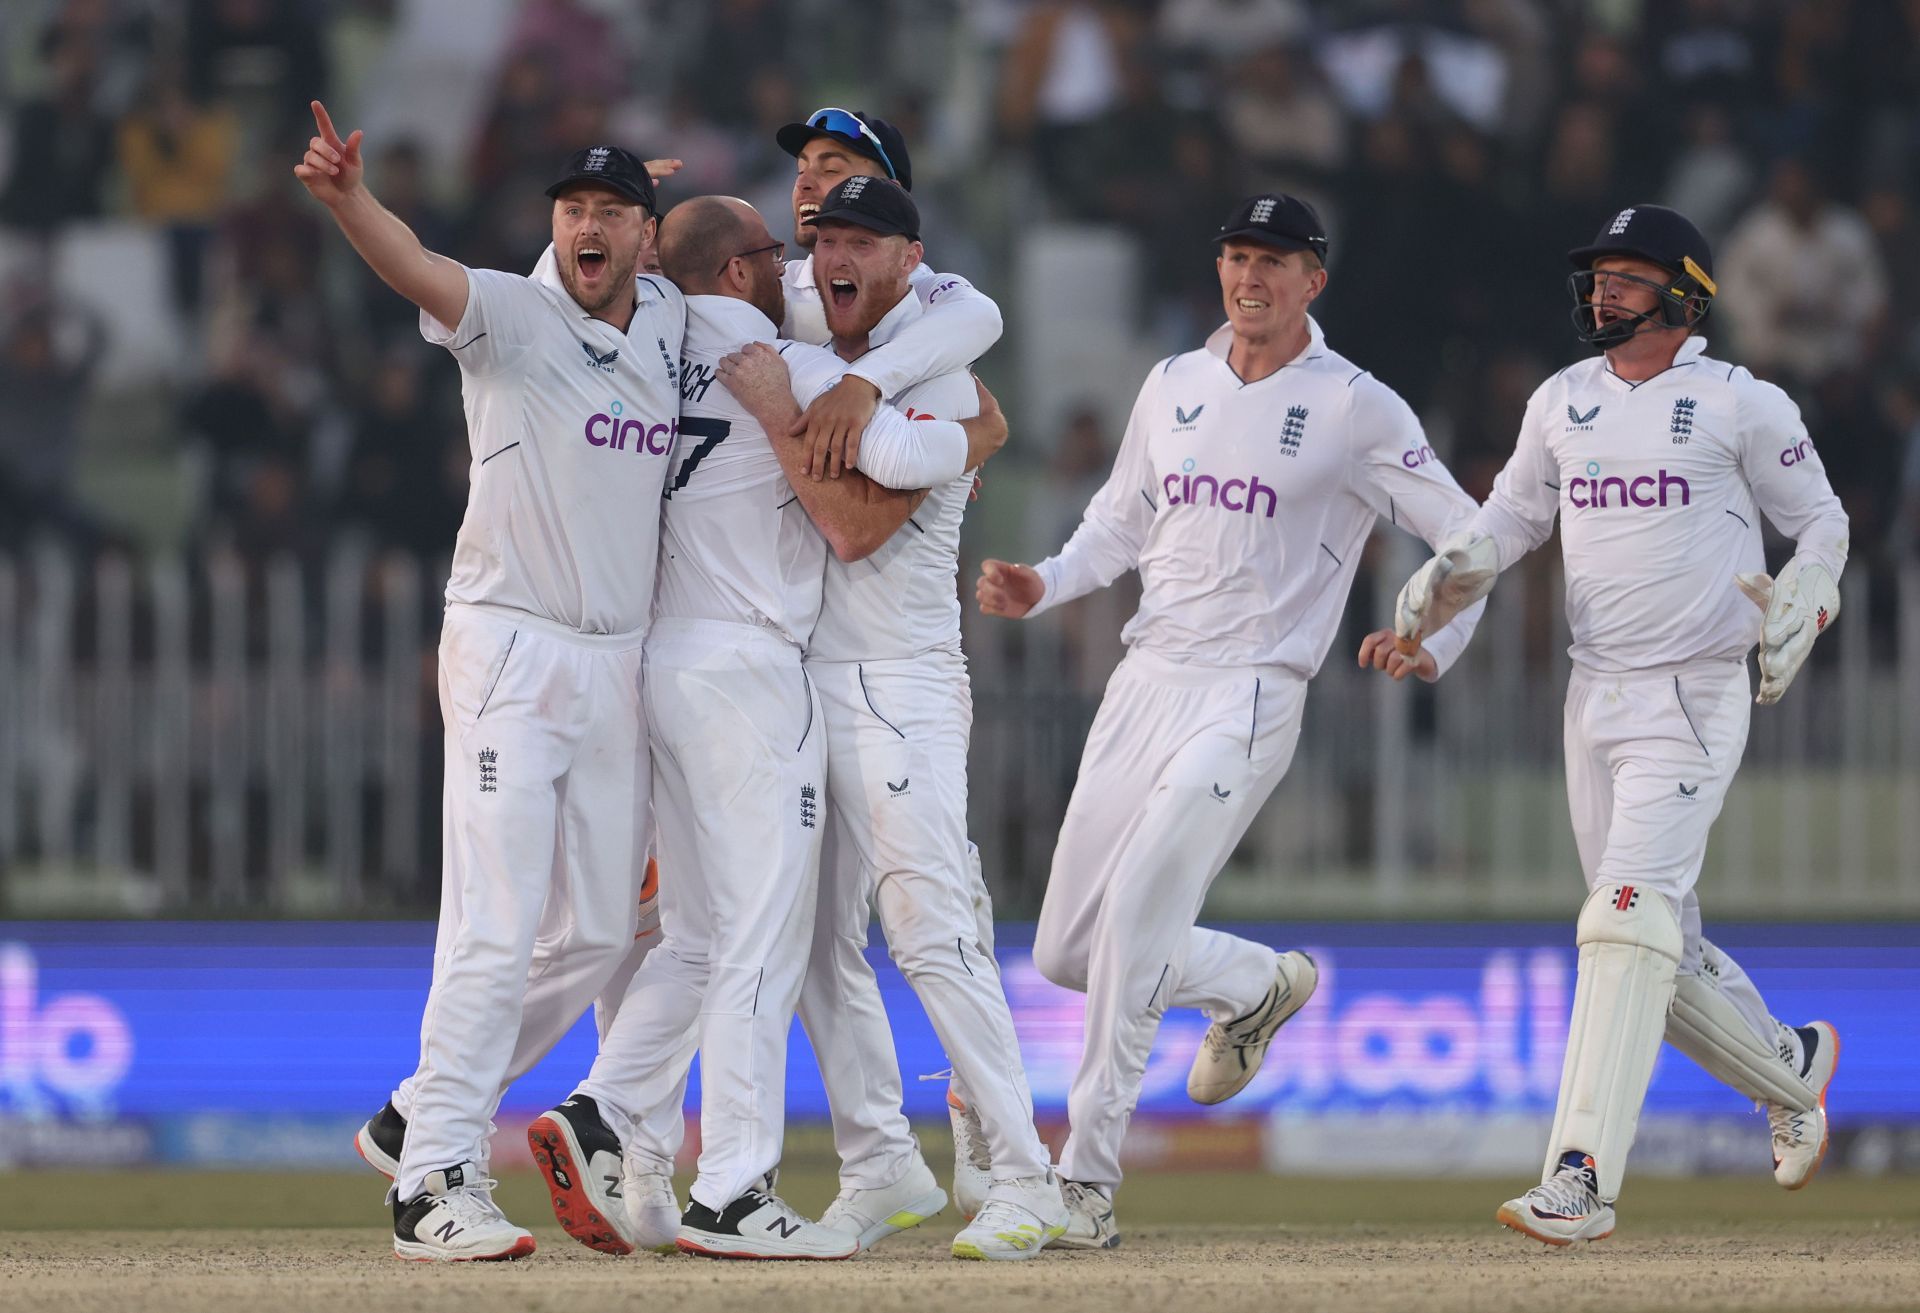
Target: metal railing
x,y
230,737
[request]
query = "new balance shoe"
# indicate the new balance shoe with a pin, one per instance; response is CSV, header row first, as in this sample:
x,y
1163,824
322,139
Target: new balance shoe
x,y
381,1138
1563,1208
1232,1051
972,1158
454,1220
1017,1220
1800,1138
1090,1223
870,1216
579,1155
653,1212
759,1224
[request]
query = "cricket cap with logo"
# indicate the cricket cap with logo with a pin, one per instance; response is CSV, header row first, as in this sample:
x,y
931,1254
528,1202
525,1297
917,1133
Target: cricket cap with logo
x,y
872,203
612,168
860,132
1276,219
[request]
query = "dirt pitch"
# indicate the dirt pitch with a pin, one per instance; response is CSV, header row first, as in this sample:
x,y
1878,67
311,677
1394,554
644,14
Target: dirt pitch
x,y
291,1242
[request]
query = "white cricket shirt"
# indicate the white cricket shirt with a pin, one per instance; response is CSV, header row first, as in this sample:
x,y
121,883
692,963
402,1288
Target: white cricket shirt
x,y
903,600
1245,507
963,326
570,422
736,544
1659,488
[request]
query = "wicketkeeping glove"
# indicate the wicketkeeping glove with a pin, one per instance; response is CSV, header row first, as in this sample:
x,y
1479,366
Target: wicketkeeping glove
x,y
1460,574
1798,604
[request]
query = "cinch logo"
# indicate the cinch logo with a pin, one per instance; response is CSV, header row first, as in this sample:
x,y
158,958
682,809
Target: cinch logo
x,y
1190,489
1798,452
76,1047
1417,457
610,430
1596,493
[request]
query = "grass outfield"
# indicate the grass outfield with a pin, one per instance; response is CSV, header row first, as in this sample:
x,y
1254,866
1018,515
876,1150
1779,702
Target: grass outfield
x,y
176,1241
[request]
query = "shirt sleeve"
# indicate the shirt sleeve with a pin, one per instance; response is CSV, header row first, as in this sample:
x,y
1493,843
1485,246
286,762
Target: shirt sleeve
x,y
1788,480
1113,532
1396,472
502,312
895,452
960,325
1519,513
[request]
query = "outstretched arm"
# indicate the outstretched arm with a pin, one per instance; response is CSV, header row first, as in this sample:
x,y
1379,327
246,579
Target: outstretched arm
x,y
335,174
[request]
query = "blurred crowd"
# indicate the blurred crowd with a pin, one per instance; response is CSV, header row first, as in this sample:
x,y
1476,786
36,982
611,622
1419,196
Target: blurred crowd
x,y
1456,148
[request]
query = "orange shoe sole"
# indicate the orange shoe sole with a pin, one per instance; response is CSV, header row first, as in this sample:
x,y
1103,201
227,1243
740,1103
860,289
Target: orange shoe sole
x,y
573,1207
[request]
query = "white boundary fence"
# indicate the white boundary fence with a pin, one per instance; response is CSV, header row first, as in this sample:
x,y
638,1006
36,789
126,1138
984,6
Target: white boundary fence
x,y
229,738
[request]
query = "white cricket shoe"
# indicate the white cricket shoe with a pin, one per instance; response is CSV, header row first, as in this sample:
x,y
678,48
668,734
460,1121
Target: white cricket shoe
x,y
1800,1138
653,1212
870,1216
1090,1223
579,1156
1562,1209
972,1157
759,1224
1017,1220
456,1221
1232,1051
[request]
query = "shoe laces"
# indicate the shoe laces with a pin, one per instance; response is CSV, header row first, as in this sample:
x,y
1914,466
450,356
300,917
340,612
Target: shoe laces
x,y
1084,1199
998,1215
979,1153
1566,1192
472,1203
1790,1126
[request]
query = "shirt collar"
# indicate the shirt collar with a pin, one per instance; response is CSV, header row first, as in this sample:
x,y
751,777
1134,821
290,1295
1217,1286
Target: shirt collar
x,y
730,318
904,312
1220,341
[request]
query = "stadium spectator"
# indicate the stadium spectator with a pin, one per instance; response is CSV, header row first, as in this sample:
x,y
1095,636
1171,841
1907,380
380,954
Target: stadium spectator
x,y
62,148
178,161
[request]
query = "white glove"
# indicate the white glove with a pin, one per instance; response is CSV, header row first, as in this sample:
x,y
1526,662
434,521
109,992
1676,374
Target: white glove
x,y
1460,574
1798,605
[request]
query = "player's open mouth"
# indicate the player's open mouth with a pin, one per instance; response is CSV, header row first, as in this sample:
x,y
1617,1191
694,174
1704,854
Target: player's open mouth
x,y
591,260
808,209
843,292
1249,306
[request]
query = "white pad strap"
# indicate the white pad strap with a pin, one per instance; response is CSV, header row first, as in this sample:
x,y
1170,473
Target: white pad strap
x,y
1706,1027
1630,944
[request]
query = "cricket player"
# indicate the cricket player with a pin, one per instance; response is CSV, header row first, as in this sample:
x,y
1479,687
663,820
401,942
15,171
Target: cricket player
x,y
1659,461
1247,483
571,386
739,745
885,1183
886,657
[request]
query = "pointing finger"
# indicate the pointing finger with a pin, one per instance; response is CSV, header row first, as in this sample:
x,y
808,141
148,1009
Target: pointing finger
x,y
321,117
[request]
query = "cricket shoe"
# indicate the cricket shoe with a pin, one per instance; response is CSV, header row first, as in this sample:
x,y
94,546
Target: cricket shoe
x,y
579,1155
972,1157
1017,1220
454,1220
759,1224
1800,1138
653,1213
381,1138
1090,1223
870,1216
1232,1051
1563,1208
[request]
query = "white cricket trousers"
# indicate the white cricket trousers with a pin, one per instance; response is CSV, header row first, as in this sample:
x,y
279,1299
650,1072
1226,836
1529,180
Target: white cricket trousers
x,y
739,764
1179,760
1650,757
545,823
897,734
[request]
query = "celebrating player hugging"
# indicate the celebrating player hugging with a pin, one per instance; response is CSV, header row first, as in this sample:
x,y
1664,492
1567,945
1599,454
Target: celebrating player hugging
x,y
707,579
1658,460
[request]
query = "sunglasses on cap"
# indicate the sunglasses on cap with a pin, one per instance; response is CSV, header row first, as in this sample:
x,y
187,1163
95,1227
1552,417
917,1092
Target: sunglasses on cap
x,y
844,123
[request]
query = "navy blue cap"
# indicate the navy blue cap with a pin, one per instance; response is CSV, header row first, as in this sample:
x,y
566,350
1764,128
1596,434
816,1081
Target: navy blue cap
x,y
1278,220
871,203
610,167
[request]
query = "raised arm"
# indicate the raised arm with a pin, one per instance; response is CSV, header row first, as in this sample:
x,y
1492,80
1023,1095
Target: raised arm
x,y
335,174
960,325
